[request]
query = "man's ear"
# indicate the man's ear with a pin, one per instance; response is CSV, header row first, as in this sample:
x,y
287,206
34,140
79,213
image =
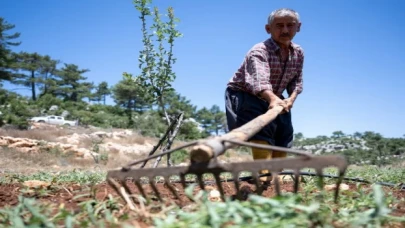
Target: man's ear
x,y
267,27
299,27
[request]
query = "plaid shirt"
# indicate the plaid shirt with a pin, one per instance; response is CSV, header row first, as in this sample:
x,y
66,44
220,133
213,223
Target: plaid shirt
x,y
263,69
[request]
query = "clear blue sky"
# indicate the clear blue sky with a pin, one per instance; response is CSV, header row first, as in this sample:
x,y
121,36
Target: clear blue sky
x,y
354,68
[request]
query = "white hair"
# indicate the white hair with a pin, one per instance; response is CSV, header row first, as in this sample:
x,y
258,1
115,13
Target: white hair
x,y
283,12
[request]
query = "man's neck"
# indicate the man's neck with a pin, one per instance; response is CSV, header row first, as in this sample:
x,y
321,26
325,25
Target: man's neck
x,y
283,46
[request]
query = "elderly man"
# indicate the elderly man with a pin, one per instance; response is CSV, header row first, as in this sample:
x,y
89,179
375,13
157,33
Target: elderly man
x,y
268,69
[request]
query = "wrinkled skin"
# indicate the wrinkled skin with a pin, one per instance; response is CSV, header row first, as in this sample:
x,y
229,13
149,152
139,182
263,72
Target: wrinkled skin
x,y
283,29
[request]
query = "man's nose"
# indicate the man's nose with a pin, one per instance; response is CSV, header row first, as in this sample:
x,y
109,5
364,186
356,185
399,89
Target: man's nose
x,y
285,29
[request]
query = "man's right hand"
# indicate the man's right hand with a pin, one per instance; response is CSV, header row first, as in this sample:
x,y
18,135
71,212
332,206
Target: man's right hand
x,y
278,102
273,100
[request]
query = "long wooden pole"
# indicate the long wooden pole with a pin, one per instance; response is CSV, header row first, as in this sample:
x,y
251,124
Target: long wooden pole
x,y
208,148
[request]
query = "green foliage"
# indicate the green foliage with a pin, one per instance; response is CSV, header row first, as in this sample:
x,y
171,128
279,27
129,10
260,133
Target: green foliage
x,y
71,85
156,64
134,96
31,64
372,149
189,131
47,101
131,96
15,110
212,120
356,210
6,58
179,156
102,91
150,124
176,103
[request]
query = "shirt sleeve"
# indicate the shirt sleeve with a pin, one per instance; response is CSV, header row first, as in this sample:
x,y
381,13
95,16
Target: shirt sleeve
x,y
297,83
257,72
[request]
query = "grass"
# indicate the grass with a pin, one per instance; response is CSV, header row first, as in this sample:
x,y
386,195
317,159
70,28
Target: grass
x,y
366,207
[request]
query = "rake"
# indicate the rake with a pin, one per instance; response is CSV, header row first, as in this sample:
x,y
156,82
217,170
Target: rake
x,y
204,160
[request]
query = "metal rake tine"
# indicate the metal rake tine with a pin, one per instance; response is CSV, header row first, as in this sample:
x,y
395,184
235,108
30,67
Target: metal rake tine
x,y
296,181
171,188
259,187
128,190
277,182
221,190
139,186
320,178
114,184
200,181
237,185
340,179
121,192
152,184
183,180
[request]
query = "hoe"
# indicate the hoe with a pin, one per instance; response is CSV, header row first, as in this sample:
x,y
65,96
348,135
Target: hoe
x,y
204,160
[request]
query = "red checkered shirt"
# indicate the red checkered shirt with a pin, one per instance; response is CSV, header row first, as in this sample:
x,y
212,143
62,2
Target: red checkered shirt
x,y
262,69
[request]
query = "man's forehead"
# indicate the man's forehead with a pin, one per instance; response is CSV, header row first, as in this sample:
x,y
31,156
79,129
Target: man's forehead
x,y
290,18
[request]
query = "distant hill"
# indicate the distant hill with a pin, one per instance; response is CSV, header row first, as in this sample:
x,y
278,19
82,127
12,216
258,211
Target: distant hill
x,y
360,148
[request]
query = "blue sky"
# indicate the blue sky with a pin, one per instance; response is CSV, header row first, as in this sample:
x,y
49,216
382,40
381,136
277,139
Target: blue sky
x,y
354,63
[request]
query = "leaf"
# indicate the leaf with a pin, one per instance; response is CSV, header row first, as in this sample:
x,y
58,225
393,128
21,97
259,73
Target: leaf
x,y
308,209
215,219
69,221
378,195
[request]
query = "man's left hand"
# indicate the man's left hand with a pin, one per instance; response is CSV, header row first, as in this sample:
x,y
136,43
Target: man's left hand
x,y
289,102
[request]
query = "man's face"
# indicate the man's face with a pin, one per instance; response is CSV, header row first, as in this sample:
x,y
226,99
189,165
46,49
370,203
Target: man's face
x,y
283,29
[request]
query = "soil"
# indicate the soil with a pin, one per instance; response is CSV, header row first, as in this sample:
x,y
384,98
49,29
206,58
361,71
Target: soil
x,y
72,195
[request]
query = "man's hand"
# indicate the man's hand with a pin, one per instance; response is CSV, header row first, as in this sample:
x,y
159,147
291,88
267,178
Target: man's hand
x,y
277,102
290,101
289,104
272,99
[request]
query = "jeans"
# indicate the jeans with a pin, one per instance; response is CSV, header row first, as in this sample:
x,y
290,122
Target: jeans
x,y
242,107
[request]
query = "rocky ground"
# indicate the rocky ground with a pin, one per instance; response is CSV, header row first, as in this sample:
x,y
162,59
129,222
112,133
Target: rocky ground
x,y
55,147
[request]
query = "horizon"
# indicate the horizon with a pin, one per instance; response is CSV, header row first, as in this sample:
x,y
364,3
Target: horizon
x,y
343,44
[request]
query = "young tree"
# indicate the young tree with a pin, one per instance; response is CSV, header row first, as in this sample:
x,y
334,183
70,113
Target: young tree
x,y
156,64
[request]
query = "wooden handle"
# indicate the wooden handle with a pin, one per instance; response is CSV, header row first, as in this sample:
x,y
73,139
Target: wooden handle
x,y
208,148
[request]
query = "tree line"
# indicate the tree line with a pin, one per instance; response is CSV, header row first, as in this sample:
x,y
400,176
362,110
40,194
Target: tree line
x,y
52,82
367,147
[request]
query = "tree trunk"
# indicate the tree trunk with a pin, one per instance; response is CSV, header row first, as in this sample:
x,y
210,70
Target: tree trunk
x,y
129,114
34,97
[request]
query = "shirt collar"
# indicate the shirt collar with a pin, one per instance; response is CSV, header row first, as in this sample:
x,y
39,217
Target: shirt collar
x,y
274,46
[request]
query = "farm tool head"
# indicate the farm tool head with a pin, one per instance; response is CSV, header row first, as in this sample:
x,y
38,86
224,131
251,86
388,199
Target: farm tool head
x,y
204,160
